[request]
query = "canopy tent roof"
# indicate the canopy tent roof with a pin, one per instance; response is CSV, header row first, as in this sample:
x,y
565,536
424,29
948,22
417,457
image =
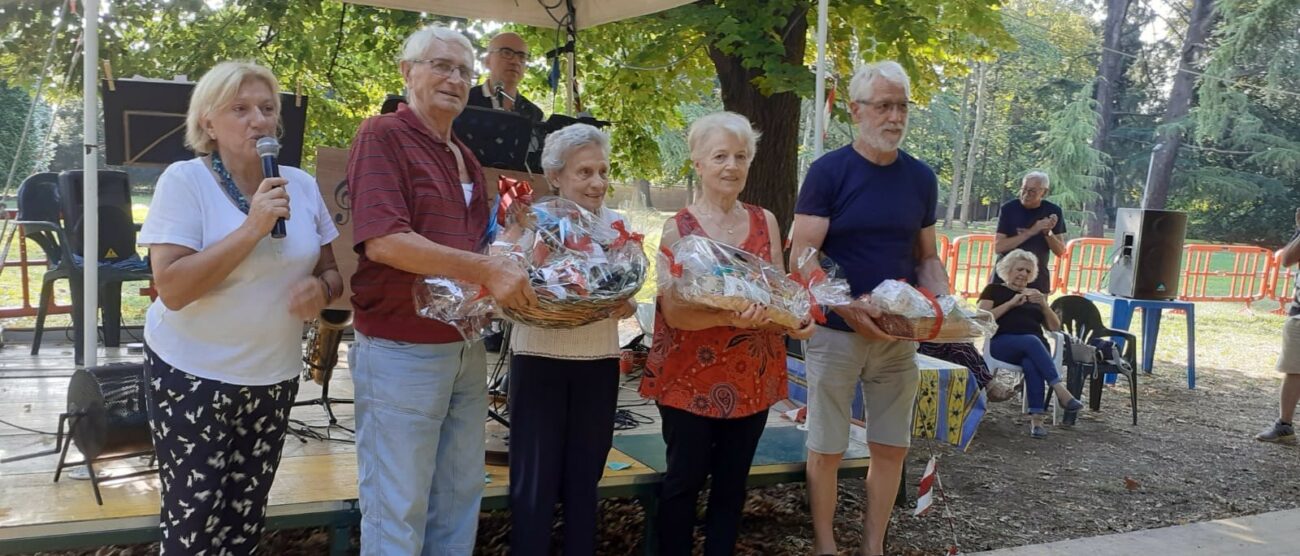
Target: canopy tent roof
x,y
587,13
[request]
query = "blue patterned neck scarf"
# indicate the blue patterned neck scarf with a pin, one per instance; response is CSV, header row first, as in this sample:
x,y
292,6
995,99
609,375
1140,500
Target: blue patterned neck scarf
x,y
228,182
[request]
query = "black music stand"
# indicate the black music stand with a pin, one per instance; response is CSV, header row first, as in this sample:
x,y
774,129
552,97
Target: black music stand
x,y
144,122
499,139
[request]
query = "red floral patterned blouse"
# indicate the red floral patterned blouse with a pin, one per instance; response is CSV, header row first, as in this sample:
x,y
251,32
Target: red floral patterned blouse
x,y
720,372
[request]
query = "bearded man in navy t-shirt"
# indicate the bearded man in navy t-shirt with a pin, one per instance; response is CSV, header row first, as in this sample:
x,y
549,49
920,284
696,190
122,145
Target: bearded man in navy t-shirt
x,y
1032,223
870,207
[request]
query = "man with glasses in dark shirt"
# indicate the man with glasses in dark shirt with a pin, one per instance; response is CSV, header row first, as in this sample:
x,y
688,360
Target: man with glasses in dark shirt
x,y
1032,223
506,59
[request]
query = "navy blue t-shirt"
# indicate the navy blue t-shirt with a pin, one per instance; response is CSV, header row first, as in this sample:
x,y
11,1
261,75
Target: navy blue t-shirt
x,y
1015,218
875,212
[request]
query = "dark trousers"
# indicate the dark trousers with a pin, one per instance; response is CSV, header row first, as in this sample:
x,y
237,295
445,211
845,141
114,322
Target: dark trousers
x,y
700,447
561,430
218,447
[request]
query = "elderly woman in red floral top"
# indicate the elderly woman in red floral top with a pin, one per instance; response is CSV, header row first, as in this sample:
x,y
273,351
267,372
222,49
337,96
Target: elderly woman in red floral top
x,y
714,374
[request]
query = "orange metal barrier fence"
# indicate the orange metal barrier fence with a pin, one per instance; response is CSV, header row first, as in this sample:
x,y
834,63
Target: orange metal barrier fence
x,y
1085,264
21,265
1247,277
970,264
1281,285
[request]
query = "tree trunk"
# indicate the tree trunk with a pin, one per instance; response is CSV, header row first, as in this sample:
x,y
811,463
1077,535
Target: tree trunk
x,y
643,187
974,146
774,173
1180,102
958,149
1108,74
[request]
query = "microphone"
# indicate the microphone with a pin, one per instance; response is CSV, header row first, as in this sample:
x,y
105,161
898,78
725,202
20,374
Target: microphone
x,y
500,88
268,148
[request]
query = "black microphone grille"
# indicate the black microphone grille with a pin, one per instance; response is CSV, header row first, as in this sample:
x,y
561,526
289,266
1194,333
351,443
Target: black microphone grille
x,y
268,145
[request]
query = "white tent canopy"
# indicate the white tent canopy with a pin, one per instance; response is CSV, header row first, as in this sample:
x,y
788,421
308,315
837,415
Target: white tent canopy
x,y
587,13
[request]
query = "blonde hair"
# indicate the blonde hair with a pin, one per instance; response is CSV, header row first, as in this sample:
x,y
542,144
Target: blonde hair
x,y
1016,255
731,122
216,89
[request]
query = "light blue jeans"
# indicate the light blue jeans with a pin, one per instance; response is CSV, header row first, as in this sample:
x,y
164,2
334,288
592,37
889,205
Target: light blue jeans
x,y
420,410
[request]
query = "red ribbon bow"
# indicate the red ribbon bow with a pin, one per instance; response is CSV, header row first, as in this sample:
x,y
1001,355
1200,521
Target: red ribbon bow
x,y
818,276
576,243
938,314
512,190
674,267
624,235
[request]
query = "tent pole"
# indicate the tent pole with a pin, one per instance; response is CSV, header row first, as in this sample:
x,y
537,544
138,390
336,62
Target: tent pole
x,y
90,203
819,109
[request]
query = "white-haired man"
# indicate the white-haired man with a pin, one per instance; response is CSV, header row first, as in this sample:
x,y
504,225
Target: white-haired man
x,y
506,59
419,207
1032,223
870,207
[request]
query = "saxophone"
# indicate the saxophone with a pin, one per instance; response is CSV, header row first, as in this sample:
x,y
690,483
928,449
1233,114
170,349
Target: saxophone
x,y
323,338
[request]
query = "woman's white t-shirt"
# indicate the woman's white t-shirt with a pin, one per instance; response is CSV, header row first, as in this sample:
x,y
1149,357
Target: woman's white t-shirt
x,y
241,331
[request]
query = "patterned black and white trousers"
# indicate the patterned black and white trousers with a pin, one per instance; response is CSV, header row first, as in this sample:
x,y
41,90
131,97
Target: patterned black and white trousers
x,y
218,447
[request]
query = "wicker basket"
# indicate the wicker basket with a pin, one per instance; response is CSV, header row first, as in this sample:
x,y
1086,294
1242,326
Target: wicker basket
x,y
570,313
776,314
923,329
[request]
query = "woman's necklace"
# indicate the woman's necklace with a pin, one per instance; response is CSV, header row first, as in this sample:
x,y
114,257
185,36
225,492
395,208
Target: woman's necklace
x,y
722,220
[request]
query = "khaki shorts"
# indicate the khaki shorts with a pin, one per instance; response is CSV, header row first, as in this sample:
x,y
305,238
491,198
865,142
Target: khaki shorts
x,y
836,361
1289,362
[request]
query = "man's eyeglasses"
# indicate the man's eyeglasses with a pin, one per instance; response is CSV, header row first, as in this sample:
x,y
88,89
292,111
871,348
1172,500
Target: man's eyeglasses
x,y
883,108
511,54
444,68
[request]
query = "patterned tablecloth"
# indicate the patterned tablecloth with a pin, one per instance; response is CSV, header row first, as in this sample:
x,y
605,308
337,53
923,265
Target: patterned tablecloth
x,y
949,403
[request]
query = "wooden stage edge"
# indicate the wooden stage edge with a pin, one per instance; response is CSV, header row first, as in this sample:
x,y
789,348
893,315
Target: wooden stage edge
x,y
37,514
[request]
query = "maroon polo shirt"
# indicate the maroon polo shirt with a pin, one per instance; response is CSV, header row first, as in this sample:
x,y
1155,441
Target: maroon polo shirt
x,y
403,179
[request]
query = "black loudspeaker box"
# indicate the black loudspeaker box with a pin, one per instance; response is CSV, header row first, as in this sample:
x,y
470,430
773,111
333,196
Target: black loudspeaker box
x,y
1148,253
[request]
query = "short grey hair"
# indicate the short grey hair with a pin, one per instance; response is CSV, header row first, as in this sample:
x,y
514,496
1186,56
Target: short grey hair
x,y
731,122
1037,175
560,143
888,70
419,42
1017,255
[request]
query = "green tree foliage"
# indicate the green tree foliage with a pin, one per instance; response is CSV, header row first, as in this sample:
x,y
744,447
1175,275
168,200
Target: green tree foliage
x,y
1243,183
1068,157
340,55
14,105
757,57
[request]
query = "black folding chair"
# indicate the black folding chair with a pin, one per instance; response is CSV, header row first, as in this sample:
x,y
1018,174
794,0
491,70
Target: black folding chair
x,y
1081,319
118,259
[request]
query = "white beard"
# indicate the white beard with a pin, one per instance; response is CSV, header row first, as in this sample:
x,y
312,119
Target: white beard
x,y
877,140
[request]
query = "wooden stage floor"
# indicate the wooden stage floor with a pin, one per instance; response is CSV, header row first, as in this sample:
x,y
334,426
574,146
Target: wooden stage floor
x,y
316,484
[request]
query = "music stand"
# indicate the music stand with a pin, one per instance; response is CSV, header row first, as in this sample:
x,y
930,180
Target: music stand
x,y
144,123
499,139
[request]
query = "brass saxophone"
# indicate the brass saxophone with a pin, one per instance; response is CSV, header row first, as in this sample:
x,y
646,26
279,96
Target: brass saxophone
x,y
323,338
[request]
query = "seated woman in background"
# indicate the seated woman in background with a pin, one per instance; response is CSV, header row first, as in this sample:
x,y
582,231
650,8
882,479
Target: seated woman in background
x,y
1021,314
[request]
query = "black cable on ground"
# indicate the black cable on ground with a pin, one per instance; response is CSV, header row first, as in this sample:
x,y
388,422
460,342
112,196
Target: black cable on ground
x,y
22,428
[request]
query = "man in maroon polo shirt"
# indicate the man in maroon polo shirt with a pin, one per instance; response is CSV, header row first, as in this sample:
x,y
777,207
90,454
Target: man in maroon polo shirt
x,y
419,207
